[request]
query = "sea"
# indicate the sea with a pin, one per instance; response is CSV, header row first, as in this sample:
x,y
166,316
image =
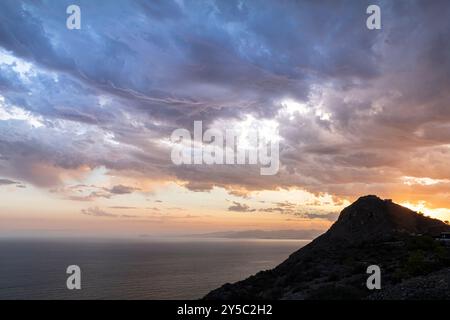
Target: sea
x,y
156,269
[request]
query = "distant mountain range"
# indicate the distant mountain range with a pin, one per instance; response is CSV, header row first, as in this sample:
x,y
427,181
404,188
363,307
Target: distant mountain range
x,y
371,231
263,234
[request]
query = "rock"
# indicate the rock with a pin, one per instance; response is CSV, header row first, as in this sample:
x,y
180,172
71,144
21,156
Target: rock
x,y
434,286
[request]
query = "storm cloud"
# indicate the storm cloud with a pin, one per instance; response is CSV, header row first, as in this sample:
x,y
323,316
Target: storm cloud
x,y
357,110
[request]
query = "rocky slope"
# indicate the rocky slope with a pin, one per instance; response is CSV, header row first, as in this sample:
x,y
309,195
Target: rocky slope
x,y
333,266
434,286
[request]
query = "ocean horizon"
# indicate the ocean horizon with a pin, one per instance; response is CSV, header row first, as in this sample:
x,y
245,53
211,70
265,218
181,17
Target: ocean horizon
x,y
158,269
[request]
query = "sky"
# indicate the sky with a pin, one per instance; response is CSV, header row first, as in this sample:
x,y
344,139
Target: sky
x,y
86,115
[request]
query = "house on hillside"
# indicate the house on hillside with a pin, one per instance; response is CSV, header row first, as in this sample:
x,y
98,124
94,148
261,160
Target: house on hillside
x,y
445,238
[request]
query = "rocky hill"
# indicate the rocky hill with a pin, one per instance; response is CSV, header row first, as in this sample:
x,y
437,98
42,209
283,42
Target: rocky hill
x,y
333,266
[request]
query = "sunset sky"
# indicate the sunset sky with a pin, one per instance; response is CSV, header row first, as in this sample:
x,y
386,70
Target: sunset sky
x,y
86,115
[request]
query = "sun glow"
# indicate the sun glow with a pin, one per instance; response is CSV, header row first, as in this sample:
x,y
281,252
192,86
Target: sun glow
x,y
421,206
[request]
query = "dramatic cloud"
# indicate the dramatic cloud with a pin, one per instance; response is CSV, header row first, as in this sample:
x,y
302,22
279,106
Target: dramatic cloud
x,y
357,110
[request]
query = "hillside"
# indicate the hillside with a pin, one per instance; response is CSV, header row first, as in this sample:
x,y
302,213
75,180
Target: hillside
x,y
333,266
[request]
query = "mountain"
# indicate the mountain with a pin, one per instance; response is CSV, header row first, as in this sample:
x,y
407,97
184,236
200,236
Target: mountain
x,y
262,234
371,231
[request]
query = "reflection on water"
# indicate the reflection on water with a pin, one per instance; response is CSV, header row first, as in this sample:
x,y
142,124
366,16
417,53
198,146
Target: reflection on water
x,y
144,269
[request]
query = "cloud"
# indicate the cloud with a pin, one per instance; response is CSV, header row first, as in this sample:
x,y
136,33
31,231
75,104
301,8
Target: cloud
x,y
273,210
7,182
366,108
332,216
121,189
82,192
97,212
238,207
288,208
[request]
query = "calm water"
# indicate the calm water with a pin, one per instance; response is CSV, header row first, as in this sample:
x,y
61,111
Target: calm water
x,y
133,269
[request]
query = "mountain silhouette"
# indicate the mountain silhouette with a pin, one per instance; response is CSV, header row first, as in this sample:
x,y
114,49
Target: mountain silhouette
x,y
373,219
371,231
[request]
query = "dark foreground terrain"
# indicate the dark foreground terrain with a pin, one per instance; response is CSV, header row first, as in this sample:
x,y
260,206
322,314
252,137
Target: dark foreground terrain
x,y
371,231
